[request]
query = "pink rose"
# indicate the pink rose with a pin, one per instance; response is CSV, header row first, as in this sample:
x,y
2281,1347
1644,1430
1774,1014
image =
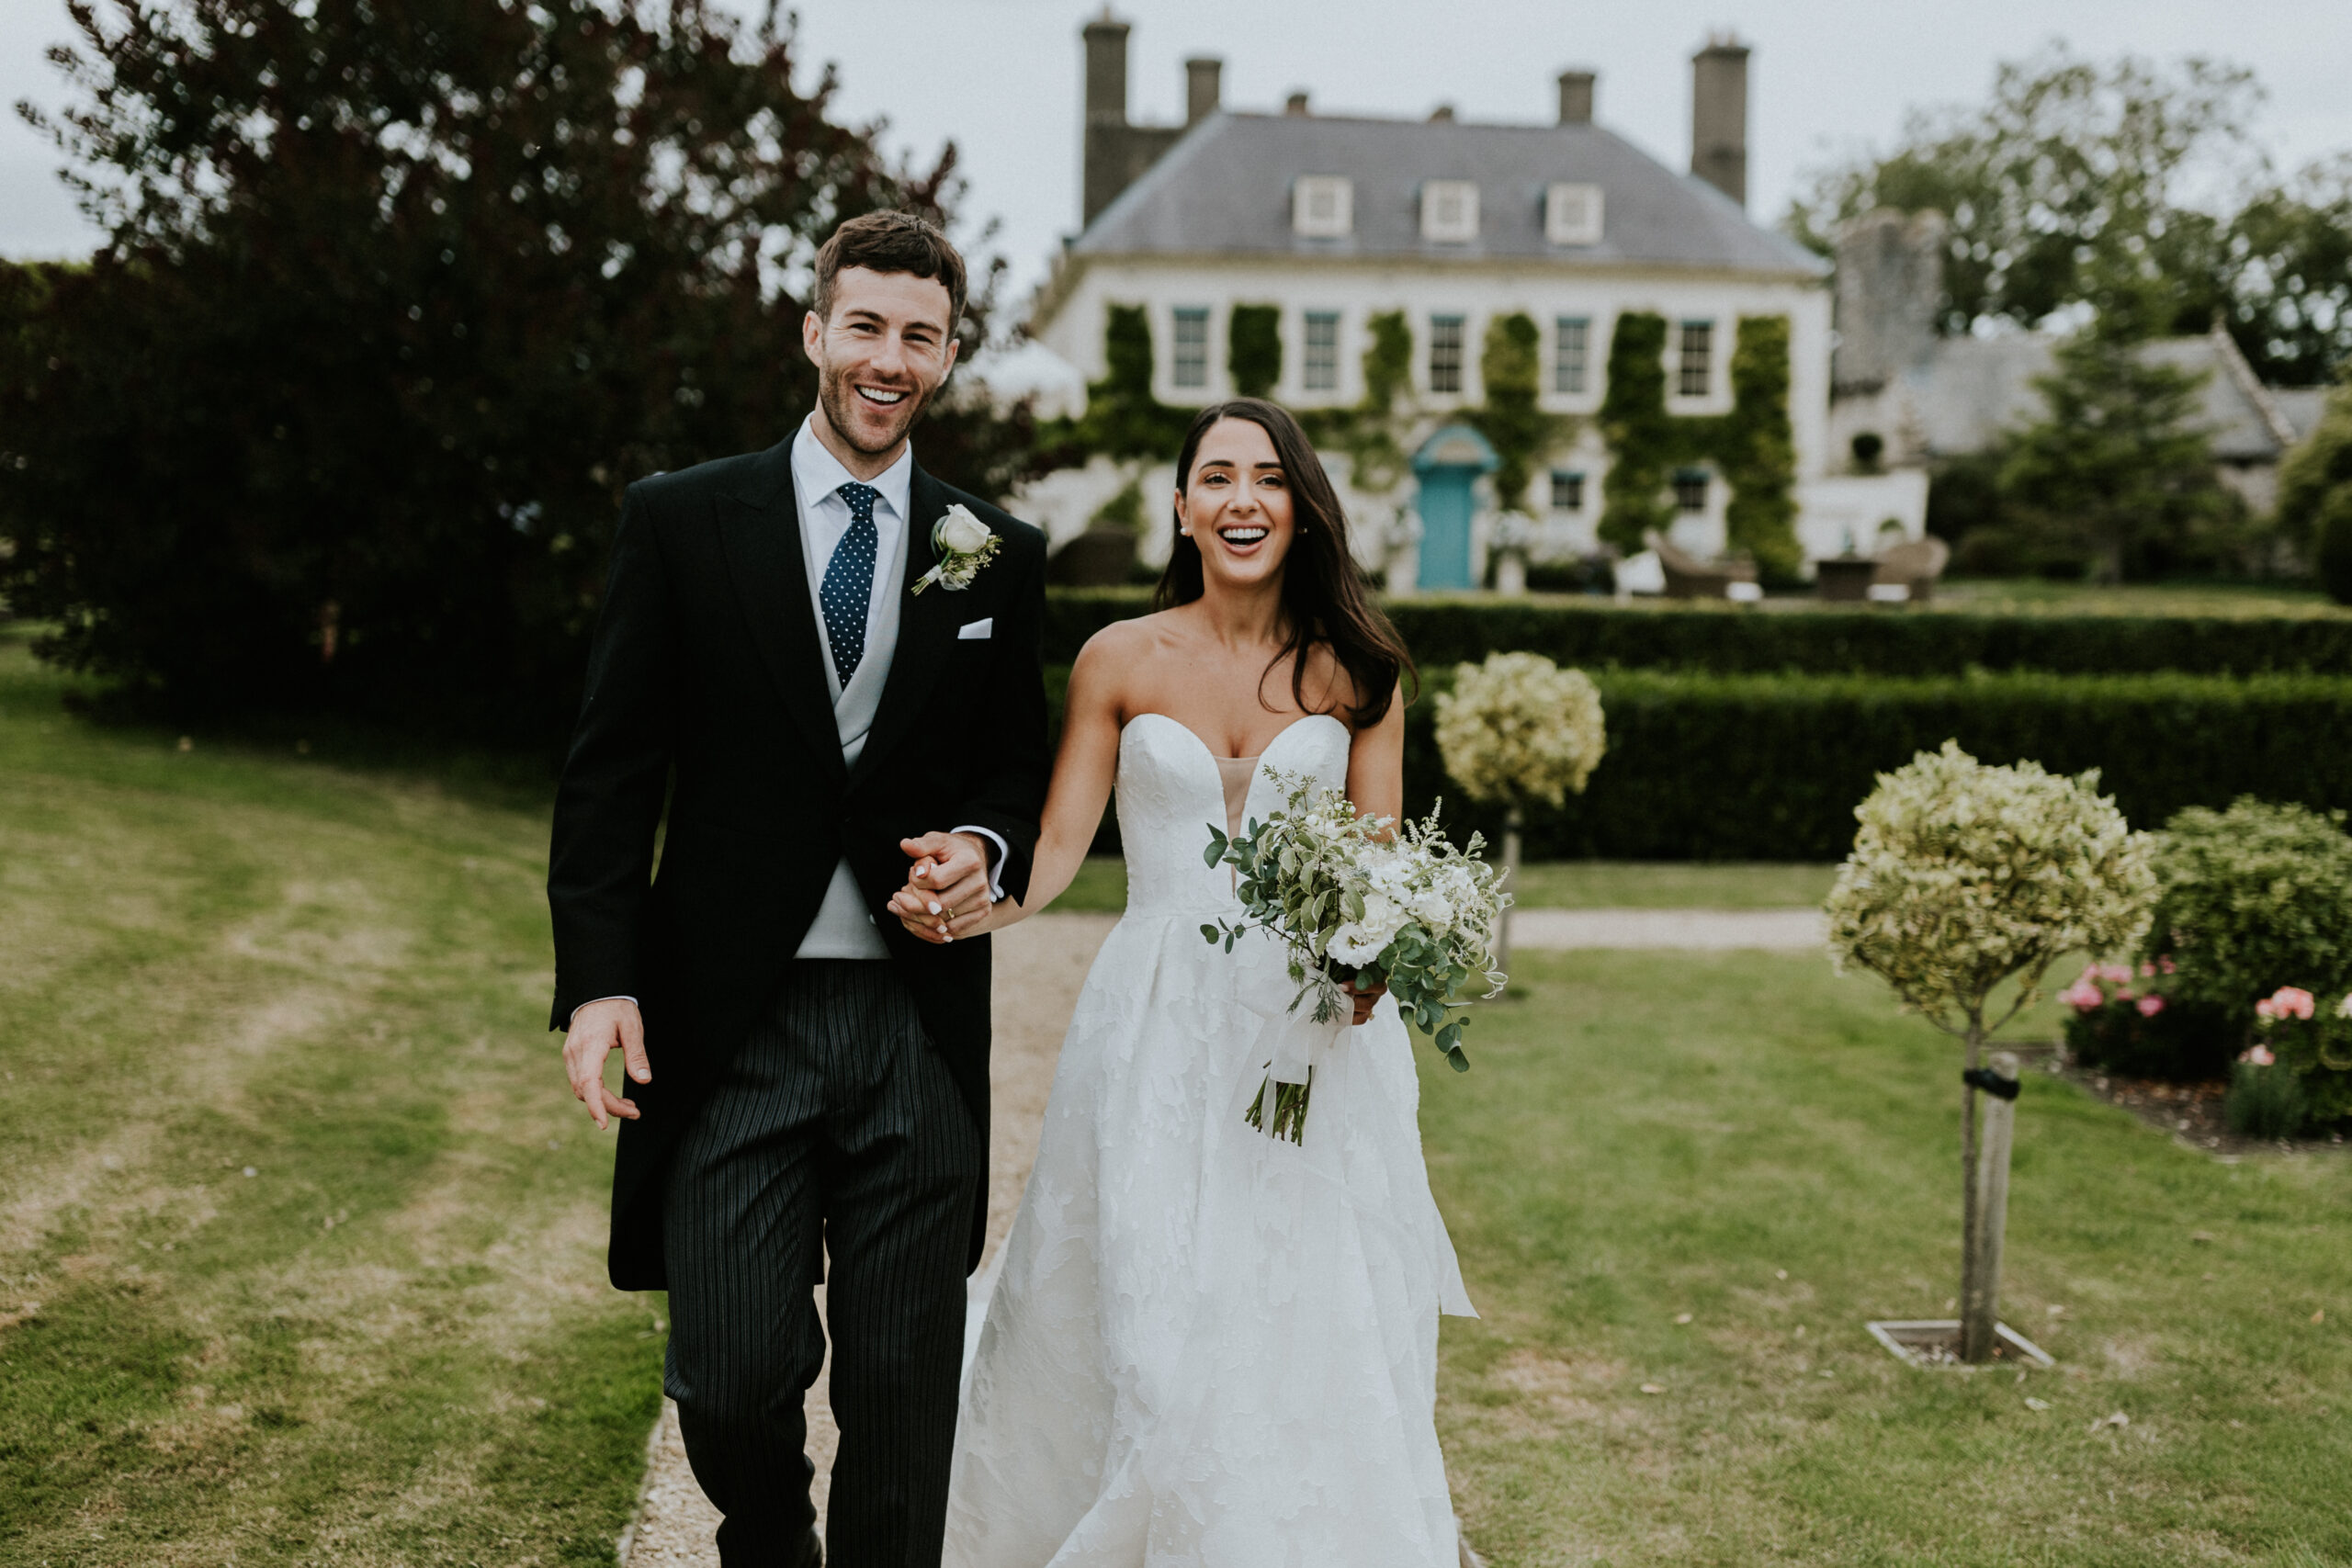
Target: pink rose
x,y
2264,1009
2116,973
2166,964
2147,971
2288,1001
2083,997
2150,1005
2258,1055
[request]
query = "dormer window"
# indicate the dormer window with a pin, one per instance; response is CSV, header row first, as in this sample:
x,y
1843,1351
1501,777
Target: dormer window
x,y
1450,210
1572,215
1323,207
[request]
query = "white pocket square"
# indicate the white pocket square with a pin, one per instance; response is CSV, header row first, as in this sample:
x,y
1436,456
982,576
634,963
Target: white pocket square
x,y
973,631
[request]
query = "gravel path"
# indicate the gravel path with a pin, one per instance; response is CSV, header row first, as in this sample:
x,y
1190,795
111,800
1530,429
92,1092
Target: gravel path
x,y
1040,966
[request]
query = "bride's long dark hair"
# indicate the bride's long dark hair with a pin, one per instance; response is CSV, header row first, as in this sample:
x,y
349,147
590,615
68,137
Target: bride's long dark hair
x,y
1326,598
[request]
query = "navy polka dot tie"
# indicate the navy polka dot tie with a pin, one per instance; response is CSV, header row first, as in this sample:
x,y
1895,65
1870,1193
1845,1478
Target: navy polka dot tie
x,y
848,587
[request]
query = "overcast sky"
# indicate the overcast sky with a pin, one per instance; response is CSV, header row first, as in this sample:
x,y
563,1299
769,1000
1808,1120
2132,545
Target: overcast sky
x,y
1001,77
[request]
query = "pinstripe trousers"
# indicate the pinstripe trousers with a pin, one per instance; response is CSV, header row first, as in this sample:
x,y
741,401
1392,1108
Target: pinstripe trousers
x,y
835,1129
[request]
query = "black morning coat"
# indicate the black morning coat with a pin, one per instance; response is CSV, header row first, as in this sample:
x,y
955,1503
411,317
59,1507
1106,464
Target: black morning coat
x,y
705,682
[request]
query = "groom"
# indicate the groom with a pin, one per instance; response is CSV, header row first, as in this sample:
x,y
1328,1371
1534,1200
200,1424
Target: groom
x,y
804,1081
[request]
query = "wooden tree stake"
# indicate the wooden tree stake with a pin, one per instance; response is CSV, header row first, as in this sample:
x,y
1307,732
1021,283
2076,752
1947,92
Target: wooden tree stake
x,y
1988,1209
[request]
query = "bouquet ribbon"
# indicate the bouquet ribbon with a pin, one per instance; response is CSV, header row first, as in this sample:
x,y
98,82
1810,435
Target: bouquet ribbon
x,y
1292,1044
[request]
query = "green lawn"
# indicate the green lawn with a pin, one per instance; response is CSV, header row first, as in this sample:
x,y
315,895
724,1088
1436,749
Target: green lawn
x,y
1750,1140
301,1237
2025,595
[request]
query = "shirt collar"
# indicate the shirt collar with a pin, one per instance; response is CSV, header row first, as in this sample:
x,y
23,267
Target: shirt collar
x,y
816,473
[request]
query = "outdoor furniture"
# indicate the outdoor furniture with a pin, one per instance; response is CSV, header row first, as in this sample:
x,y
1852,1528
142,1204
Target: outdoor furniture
x,y
1914,564
1099,557
1845,579
1688,577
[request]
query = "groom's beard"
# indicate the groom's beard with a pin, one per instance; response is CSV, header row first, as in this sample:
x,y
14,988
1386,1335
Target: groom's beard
x,y
848,413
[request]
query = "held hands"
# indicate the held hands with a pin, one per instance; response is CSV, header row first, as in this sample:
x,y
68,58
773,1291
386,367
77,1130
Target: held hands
x,y
1367,999
598,1029
946,895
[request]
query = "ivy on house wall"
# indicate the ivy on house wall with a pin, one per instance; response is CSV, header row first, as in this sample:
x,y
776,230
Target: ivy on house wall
x,y
1510,420
1124,417
1754,445
1370,431
1254,349
1643,441
1757,449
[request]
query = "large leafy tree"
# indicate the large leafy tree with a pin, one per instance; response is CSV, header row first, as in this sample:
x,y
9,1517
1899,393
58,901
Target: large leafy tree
x,y
398,294
2129,190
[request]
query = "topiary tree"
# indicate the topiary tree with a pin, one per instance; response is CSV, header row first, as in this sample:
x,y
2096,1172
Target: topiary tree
x,y
1757,450
1254,349
1965,877
1515,731
1641,437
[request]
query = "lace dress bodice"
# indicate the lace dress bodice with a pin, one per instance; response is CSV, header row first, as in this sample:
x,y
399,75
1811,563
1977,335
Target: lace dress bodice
x,y
1172,791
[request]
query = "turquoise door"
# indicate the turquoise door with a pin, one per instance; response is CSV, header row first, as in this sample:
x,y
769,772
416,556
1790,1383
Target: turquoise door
x,y
1446,500
1448,466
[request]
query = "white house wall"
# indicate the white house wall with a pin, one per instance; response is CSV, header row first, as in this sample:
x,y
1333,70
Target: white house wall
x,y
1476,292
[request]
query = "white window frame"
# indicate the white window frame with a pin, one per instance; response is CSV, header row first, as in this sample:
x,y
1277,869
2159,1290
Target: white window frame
x,y
1179,318
1449,211
1308,363
1577,480
1572,214
1562,365
1694,357
1459,364
1323,207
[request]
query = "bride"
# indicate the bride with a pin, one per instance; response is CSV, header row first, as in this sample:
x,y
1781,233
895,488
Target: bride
x,y
1205,1346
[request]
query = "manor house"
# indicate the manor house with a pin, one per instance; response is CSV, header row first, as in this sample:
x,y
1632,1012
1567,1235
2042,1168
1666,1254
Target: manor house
x,y
1333,220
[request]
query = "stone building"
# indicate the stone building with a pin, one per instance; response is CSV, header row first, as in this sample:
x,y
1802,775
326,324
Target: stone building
x,y
1927,398
1333,220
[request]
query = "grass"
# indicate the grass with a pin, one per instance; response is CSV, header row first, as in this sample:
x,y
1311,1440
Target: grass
x,y
1101,884
1773,1150
300,1235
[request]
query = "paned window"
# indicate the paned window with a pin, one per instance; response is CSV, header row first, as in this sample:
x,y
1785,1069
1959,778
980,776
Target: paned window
x,y
1323,206
1567,490
1690,490
1571,346
1445,354
1694,370
1189,365
1572,215
1450,210
1319,367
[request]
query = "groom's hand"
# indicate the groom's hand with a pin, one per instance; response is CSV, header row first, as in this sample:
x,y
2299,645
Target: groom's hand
x,y
598,1029
949,878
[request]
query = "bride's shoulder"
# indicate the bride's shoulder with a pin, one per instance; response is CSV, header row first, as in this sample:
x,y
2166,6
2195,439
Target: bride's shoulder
x,y
1134,637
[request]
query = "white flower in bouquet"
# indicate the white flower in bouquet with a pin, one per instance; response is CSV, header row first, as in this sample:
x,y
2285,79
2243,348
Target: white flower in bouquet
x,y
1354,908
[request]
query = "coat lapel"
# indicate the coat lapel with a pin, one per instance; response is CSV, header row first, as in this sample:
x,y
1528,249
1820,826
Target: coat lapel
x,y
926,628
759,526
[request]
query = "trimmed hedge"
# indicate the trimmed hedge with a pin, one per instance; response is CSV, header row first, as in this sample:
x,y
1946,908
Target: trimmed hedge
x,y
1726,640
1713,767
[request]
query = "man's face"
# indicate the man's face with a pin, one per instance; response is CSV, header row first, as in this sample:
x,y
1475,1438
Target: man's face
x,y
881,357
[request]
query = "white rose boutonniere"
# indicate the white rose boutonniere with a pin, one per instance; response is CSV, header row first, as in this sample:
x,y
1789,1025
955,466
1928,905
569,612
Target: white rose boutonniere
x,y
965,544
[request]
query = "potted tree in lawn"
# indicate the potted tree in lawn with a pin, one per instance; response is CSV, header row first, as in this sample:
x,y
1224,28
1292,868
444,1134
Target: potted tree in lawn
x,y
1515,731
1965,878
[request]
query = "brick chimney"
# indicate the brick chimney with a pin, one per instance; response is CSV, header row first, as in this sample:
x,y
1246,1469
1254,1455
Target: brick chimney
x,y
1203,76
1719,116
1576,98
1105,149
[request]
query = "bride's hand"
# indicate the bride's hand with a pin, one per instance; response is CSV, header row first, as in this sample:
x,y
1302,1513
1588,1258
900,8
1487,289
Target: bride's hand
x,y
920,912
1367,1000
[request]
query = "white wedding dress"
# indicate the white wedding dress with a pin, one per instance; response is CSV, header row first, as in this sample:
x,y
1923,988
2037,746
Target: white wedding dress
x,y
1205,1347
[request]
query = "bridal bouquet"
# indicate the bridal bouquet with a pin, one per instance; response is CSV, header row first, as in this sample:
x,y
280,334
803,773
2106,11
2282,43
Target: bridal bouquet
x,y
1355,910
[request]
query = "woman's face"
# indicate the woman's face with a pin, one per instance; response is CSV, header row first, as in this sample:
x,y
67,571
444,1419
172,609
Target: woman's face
x,y
1238,505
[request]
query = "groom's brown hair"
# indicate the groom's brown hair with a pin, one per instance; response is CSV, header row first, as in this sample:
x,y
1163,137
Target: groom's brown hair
x,y
890,242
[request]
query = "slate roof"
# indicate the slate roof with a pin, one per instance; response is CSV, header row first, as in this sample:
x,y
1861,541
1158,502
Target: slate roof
x,y
1968,390
1224,190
